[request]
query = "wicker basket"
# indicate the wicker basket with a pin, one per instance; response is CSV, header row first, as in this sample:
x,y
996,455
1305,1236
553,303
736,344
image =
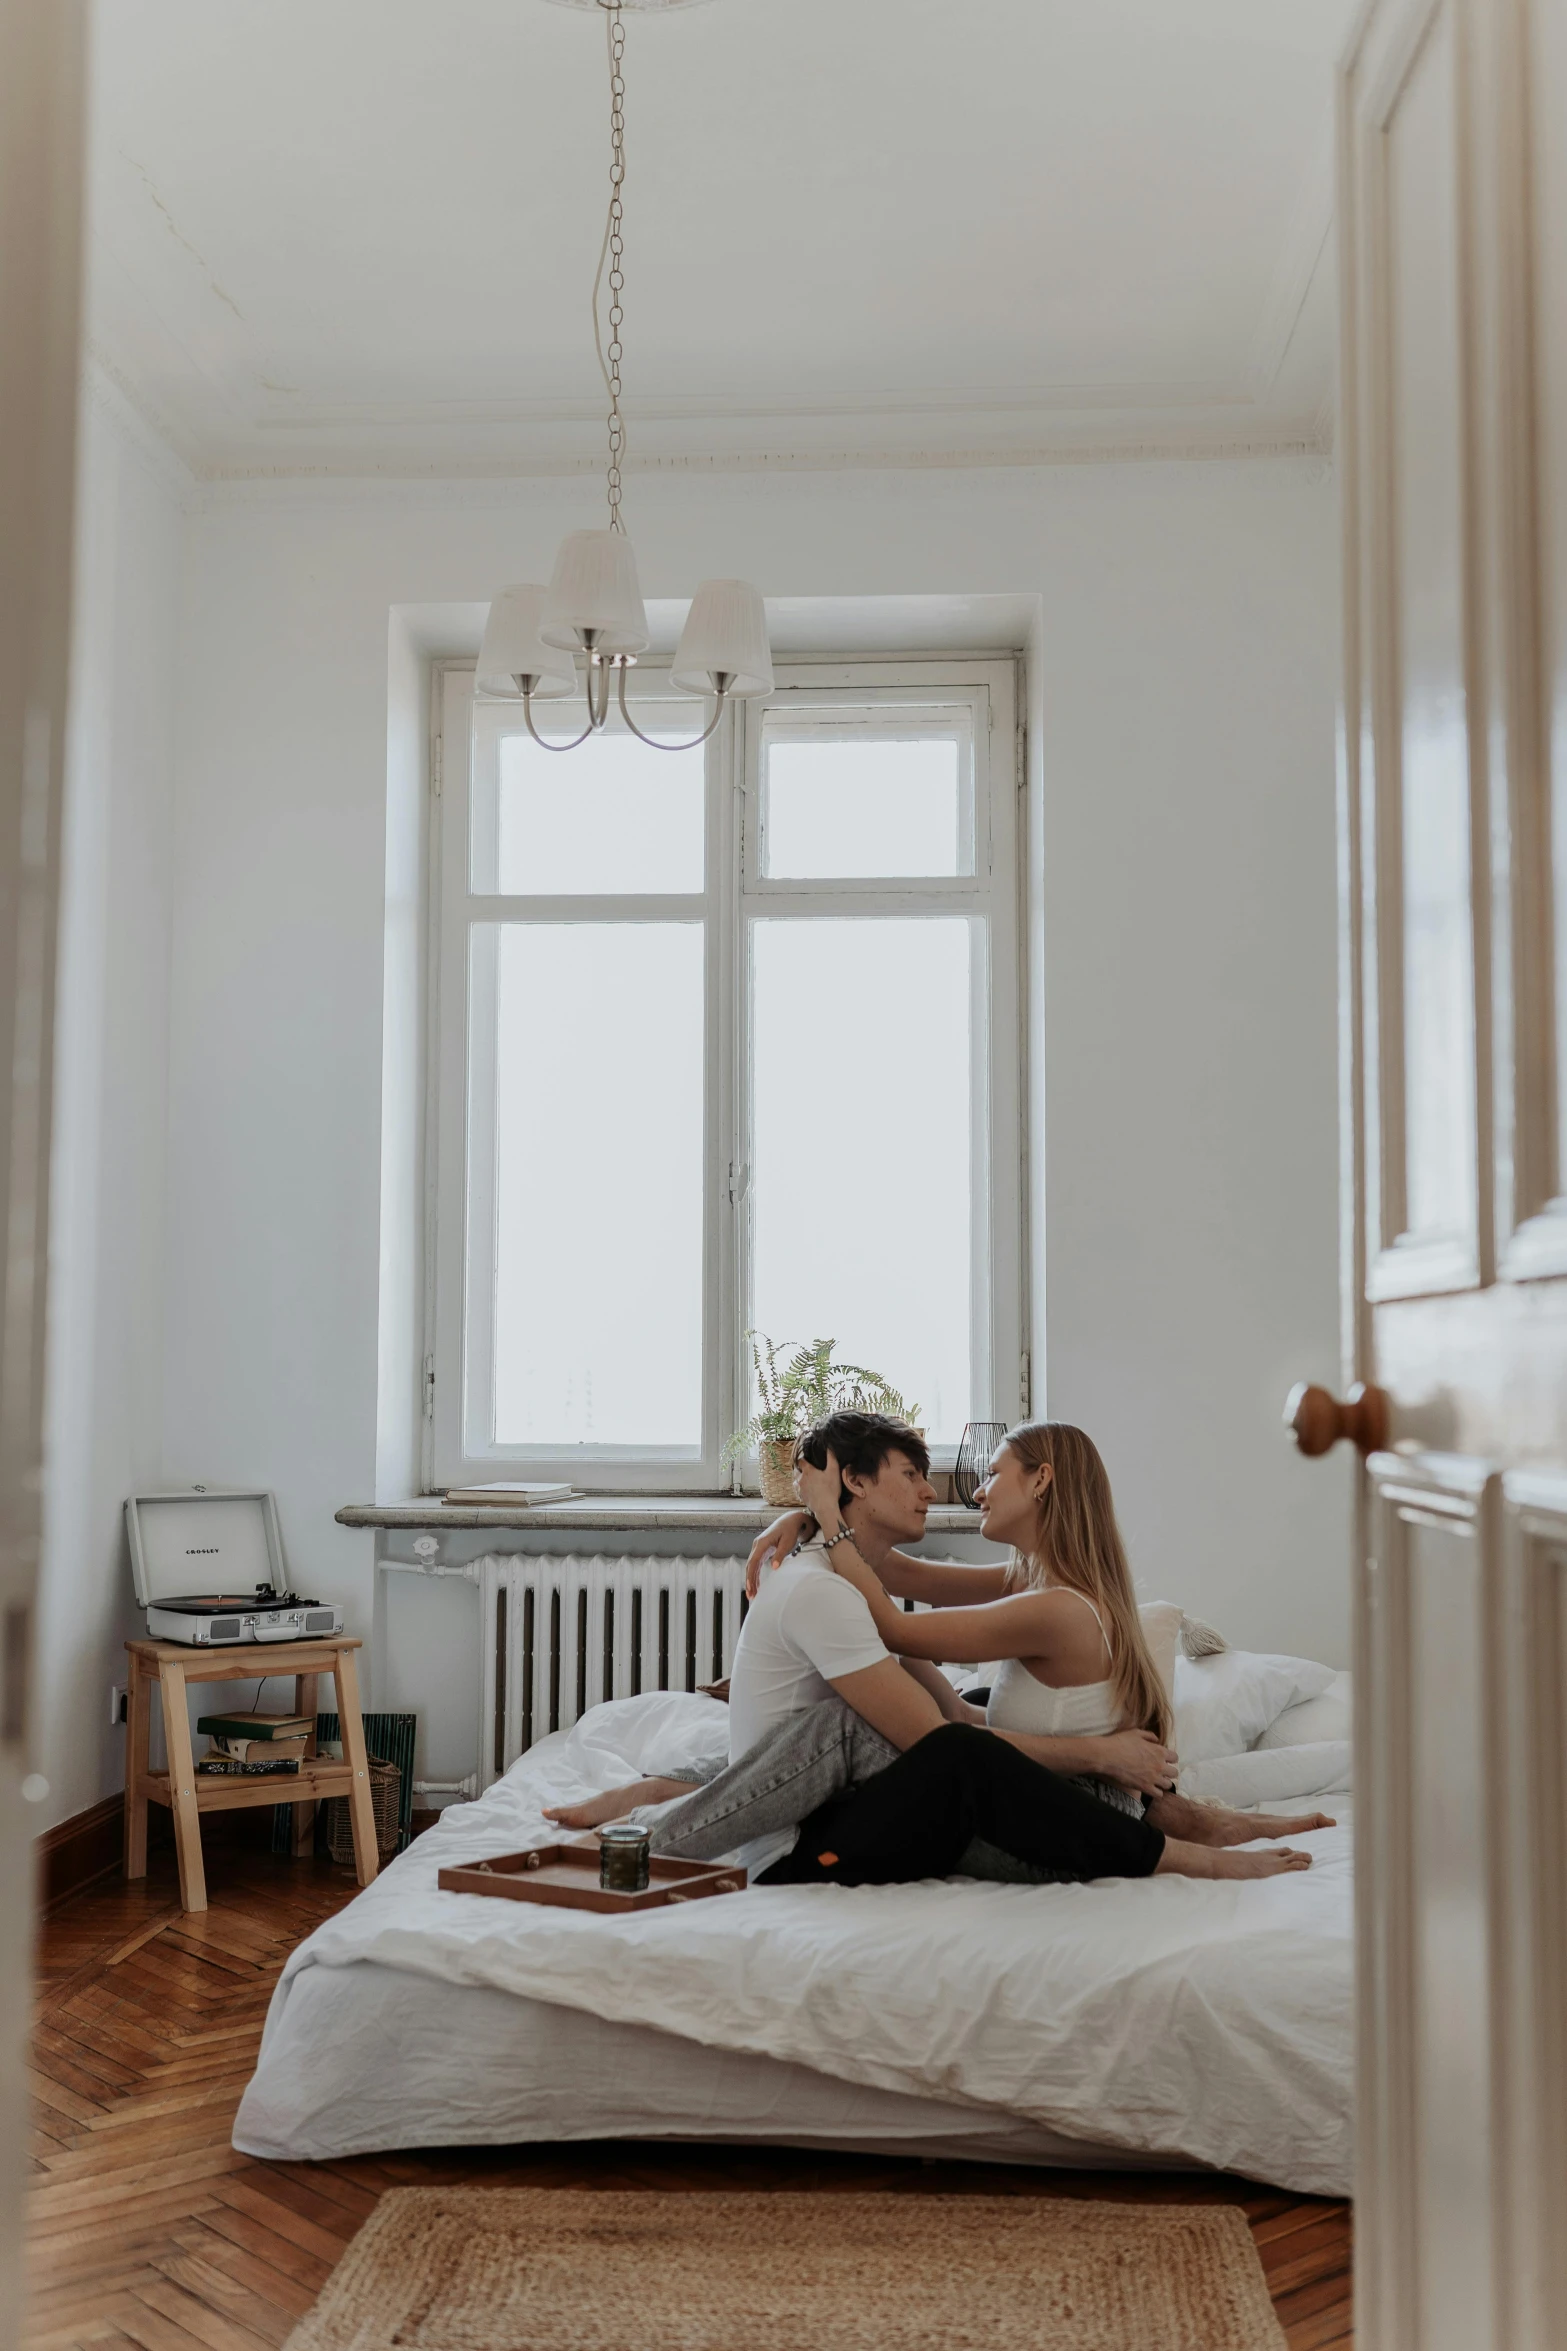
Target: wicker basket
x,y
386,1790
777,1464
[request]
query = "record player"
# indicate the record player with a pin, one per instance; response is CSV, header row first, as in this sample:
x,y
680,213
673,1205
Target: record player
x,y
208,1568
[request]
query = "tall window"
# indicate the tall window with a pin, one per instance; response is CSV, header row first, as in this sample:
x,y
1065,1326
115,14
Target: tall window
x,y
724,1038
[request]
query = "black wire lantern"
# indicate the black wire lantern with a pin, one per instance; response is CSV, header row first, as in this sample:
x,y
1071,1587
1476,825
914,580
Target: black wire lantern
x,y
980,1439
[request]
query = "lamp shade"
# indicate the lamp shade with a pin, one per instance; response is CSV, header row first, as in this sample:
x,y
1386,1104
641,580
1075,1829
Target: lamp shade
x,y
725,632
595,588
513,650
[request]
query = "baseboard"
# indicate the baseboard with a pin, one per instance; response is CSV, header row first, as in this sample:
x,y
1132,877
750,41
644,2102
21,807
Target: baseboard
x,y
80,1851
91,1844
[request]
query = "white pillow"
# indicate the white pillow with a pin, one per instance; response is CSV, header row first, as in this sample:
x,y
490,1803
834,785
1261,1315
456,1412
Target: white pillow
x,y
1224,1704
662,1731
1327,1717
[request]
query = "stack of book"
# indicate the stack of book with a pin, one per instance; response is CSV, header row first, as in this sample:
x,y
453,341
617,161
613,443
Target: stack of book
x,y
512,1494
251,1746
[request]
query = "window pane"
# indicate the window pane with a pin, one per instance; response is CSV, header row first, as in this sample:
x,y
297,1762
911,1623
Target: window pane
x,y
608,818
598,1264
864,806
861,1032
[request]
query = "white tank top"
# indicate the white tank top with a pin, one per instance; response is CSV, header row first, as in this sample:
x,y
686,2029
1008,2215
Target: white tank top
x,y
1019,1701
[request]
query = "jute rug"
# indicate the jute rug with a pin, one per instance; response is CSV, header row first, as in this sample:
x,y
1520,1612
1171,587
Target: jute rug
x,y
536,2269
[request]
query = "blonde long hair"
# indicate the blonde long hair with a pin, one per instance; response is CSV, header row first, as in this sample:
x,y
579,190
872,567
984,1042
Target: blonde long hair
x,y
1077,1543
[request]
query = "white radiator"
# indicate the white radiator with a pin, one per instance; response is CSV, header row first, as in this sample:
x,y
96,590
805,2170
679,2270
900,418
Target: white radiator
x,y
562,1634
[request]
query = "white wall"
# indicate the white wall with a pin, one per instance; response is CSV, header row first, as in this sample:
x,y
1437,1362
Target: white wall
x,y
1186,685
1188,681
105,1358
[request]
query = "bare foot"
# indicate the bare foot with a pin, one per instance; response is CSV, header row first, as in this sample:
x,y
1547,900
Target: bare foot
x,y
1181,1859
1276,1824
615,1803
1218,1824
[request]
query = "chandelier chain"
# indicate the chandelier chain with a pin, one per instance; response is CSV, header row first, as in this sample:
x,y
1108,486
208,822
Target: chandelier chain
x,y
592,610
614,252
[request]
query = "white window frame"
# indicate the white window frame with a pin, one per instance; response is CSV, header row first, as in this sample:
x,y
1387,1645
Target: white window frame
x,y
735,895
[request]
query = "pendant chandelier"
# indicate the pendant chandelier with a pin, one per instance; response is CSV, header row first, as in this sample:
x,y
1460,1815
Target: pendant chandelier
x,y
592,609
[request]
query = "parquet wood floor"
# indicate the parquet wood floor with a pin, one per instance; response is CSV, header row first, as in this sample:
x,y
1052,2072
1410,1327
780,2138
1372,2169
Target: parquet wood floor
x,y
148,2228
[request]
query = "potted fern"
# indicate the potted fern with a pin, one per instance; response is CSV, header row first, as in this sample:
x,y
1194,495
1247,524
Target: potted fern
x,y
795,1394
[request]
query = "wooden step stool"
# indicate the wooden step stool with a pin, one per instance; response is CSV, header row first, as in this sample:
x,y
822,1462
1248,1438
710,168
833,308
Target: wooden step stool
x,y
169,1666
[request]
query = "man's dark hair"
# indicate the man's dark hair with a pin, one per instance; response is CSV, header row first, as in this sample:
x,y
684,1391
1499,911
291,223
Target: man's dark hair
x,y
862,1442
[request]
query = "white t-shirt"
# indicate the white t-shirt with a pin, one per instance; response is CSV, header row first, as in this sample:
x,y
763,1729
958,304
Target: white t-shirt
x,y
805,1629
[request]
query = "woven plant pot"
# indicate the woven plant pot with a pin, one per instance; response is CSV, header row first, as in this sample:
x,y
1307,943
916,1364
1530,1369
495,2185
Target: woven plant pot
x,y
777,1464
386,1790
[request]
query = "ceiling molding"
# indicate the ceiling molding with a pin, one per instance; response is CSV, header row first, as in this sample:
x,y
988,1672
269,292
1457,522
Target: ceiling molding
x,y
1296,438
1225,427
954,427
706,408
106,388
1285,469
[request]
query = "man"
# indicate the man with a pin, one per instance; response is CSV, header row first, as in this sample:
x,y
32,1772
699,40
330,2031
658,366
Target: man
x,y
825,1722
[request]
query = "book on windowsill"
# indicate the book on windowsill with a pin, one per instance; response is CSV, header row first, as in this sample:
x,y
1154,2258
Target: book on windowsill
x,y
255,1726
510,1494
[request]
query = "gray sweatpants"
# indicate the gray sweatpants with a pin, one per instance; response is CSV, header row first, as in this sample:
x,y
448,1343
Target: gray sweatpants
x,y
811,1757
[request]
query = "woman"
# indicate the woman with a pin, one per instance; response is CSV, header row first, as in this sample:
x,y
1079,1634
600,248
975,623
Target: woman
x,y
1062,1619
1065,1622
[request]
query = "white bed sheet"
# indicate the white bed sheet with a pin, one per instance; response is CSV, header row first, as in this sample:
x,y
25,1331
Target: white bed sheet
x,y
375,2058
1164,2018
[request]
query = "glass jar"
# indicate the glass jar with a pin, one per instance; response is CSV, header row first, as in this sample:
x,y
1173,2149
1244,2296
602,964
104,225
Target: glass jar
x,y
624,1858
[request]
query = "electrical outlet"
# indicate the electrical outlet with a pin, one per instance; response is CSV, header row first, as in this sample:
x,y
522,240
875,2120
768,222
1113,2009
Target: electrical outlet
x,y
118,1706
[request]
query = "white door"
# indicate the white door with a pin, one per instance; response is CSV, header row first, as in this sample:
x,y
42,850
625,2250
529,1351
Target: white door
x,y
1453,452
40,209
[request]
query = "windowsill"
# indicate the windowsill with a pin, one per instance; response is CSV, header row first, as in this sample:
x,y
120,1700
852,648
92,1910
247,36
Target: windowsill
x,y
606,1513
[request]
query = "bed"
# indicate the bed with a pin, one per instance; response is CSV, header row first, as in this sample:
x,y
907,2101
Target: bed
x,y
1161,2022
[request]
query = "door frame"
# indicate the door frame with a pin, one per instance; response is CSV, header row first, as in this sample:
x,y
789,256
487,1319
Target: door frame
x,y
42,59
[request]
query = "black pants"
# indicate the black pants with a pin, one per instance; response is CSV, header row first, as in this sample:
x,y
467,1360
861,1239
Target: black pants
x,y
916,1818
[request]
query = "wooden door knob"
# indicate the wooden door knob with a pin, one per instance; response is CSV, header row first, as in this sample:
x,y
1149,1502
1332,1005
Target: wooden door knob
x,y
1319,1420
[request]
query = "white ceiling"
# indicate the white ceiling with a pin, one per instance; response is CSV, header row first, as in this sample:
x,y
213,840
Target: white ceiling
x,y
359,235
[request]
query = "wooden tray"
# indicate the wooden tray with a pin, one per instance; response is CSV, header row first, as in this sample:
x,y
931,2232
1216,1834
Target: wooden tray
x,y
568,1875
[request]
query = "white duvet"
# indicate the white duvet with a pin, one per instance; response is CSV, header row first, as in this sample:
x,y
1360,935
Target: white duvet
x,y
1163,2016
